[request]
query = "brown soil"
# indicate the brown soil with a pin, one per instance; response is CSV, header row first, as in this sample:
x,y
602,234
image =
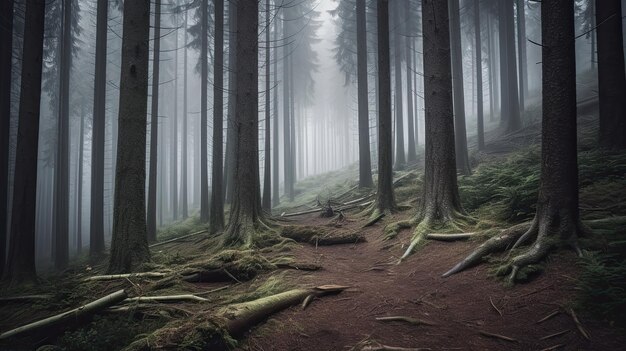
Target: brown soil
x,y
460,306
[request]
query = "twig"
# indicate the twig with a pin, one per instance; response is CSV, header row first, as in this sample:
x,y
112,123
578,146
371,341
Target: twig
x,y
307,301
232,276
548,316
169,298
551,348
409,320
579,325
494,307
554,335
214,290
125,276
496,336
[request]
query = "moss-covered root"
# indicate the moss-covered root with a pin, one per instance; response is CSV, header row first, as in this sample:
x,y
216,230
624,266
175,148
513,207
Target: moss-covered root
x,y
319,236
393,229
497,243
216,330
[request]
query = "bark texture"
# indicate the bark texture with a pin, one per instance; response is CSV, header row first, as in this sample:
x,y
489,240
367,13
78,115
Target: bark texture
x,y
129,246
204,71
21,255
365,162
508,68
216,220
267,171
611,75
398,108
154,126
479,77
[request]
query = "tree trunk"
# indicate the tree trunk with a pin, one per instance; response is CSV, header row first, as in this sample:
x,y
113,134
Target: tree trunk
x,y
385,200
612,84
129,246
491,68
594,34
174,131
154,127
521,52
6,58
440,198
204,72
20,265
184,201
246,205
216,221
276,159
79,184
510,111
232,106
267,171
479,77
286,107
460,133
400,154
411,156
98,128
62,165
365,163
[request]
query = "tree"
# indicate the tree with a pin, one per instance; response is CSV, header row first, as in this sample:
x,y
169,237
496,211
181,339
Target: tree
x,y
174,131
510,110
521,53
460,134
611,76
478,48
439,204
400,154
275,168
216,221
365,163
183,162
6,58
232,106
154,126
204,71
557,219
96,233
129,246
287,79
267,172
246,211
412,124
20,267
385,200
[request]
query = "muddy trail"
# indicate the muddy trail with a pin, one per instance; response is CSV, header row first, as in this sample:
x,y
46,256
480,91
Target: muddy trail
x,y
469,311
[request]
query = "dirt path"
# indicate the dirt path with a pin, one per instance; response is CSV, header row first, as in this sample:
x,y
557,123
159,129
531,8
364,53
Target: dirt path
x,y
461,306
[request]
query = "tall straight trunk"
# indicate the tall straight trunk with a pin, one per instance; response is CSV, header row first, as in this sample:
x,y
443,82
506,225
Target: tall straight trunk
x,y
521,52
232,105
440,197
216,220
174,133
267,172
491,69
460,133
411,156
184,201
365,162
20,265
286,108
204,72
510,108
275,151
154,126
292,130
385,200
246,205
129,246
611,76
400,154
594,34
478,48
61,178
98,128
6,58
79,184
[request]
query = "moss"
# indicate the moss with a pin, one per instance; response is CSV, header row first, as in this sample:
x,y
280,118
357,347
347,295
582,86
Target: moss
x,y
275,284
242,264
186,226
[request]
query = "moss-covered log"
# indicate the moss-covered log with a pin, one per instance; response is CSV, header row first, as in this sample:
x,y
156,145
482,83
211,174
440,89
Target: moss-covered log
x,y
318,236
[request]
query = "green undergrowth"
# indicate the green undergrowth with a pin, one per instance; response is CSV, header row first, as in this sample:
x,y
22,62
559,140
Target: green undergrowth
x,y
186,226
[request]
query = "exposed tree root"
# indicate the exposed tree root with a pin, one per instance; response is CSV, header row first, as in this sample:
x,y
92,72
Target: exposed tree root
x,y
317,236
165,299
450,237
374,220
130,275
227,265
213,331
69,316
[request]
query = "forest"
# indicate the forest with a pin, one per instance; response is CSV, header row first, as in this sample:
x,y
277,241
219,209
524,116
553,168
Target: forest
x,y
362,175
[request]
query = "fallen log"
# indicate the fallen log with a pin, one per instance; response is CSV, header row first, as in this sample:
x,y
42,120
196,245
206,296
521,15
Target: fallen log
x,y
164,299
129,275
69,316
450,237
315,236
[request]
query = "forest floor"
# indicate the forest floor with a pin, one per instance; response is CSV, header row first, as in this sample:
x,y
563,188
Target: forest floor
x,y
472,310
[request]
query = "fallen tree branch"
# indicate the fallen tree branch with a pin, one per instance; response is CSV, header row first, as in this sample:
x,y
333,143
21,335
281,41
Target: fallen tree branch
x,y
176,239
124,276
494,306
556,312
554,335
409,320
496,336
169,298
69,316
579,325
